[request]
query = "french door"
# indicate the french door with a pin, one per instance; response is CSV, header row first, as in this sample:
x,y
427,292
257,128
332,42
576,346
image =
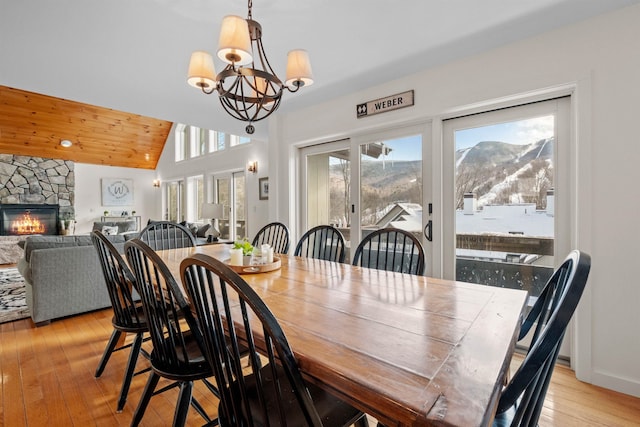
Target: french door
x,y
505,195
491,192
230,191
366,183
174,201
506,202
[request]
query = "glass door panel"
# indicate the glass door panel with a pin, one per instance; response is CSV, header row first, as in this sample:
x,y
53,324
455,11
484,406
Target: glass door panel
x,y
174,201
508,195
231,192
239,202
504,193
223,196
504,203
326,180
391,192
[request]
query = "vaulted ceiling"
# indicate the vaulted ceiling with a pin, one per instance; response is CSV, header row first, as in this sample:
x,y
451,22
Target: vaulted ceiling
x,y
132,56
34,125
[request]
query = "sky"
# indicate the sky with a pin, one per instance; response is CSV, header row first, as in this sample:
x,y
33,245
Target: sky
x,y
519,132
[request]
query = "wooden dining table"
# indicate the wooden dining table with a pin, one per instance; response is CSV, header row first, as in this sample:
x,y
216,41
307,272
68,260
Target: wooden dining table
x,y
408,350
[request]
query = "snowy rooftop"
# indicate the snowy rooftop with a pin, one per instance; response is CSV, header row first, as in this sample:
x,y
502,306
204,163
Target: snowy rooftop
x,y
520,219
506,219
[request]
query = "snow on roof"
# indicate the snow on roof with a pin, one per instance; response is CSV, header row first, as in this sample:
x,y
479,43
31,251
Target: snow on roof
x,y
521,218
506,219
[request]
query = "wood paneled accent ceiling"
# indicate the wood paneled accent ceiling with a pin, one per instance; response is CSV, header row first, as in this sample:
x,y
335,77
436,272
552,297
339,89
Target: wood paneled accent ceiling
x,y
33,125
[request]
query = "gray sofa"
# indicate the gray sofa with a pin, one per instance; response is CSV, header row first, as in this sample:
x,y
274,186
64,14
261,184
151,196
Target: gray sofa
x,y
63,276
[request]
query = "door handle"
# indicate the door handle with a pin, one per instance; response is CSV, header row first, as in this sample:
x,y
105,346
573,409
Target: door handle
x,y
428,231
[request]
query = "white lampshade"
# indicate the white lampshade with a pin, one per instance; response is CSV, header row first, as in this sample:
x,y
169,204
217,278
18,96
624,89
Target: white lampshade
x,y
235,43
212,210
201,70
299,68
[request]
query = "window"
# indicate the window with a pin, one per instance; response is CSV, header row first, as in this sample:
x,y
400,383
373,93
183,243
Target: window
x,y
216,141
193,141
238,140
198,141
195,197
181,146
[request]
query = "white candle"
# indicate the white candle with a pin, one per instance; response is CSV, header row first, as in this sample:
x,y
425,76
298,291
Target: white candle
x,y
270,256
236,256
265,254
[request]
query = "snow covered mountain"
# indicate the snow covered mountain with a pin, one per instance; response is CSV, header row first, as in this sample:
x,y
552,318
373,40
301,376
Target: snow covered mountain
x,y
500,173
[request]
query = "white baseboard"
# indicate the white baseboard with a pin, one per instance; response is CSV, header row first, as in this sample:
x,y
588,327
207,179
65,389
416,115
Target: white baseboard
x,y
610,381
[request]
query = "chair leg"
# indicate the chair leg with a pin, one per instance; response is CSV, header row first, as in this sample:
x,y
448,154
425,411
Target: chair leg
x,y
184,401
128,373
200,410
152,382
113,342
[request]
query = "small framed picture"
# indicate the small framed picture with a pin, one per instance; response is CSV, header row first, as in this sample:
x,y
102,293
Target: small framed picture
x,y
263,186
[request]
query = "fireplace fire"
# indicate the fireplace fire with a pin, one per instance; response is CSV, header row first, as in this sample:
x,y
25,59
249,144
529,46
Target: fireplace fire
x,y
23,219
27,225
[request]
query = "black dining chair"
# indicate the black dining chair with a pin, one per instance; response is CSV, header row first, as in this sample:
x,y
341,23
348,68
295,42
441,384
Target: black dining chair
x,y
391,249
167,235
322,242
128,314
229,312
176,355
276,234
522,399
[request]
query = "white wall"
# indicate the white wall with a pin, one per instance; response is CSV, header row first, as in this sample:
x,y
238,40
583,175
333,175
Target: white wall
x,y
600,58
88,199
232,159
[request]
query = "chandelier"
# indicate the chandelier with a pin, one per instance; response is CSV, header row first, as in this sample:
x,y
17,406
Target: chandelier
x,y
248,88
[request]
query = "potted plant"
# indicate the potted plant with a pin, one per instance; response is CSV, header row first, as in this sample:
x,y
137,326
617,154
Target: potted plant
x,y
106,213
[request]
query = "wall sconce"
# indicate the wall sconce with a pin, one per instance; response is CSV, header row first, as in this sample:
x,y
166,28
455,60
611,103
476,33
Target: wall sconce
x,y
156,183
252,167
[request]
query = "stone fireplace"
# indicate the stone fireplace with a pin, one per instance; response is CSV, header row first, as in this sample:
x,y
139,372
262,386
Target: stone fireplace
x,y
39,186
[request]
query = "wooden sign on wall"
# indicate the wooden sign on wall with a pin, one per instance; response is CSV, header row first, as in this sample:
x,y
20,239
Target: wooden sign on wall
x,y
382,105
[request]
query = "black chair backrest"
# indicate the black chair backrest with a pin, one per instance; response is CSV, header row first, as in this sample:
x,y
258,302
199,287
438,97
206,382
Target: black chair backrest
x,y
322,242
167,235
228,310
275,234
163,304
550,315
120,283
391,249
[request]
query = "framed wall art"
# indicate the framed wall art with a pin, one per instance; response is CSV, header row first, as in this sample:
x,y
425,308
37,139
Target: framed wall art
x,y
263,187
117,192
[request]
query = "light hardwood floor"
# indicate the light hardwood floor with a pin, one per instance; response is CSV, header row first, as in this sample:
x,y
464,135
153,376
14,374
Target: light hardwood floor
x,y
47,380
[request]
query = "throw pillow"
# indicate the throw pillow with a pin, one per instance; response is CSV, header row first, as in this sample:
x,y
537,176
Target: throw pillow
x,y
202,229
109,231
125,226
191,226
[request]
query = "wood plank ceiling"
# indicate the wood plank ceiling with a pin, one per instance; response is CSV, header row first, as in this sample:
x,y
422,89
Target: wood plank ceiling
x,y
32,124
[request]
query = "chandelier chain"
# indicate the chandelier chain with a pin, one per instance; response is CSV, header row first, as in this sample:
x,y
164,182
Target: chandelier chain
x,y
250,2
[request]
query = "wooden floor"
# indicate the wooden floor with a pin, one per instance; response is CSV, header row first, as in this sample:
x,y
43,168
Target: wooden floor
x,y
47,380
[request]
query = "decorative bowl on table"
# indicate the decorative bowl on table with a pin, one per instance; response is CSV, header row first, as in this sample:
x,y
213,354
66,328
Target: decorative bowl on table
x,y
251,268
